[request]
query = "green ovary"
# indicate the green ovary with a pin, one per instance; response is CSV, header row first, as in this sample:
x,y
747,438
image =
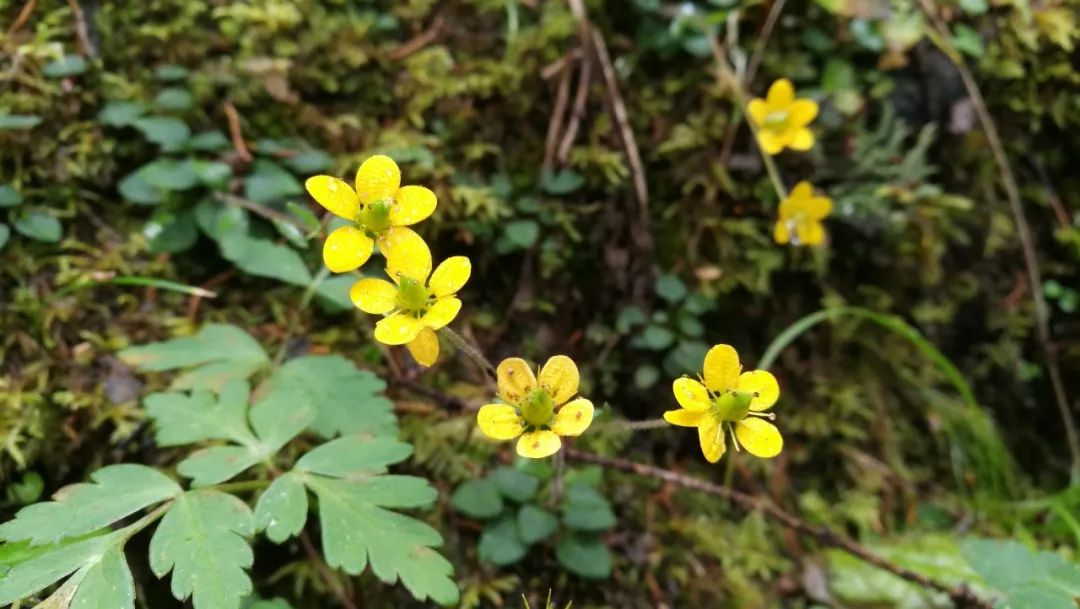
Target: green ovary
x,y
375,217
537,408
731,406
776,120
412,296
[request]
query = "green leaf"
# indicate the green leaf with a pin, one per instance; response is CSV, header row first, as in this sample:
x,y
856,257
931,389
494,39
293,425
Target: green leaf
x,y
45,565
39,226
120,113
168,132
478,499
208,141
5,234
535,523
27,490
522,234
347,400
282,508
135,189
974,7
587,510
500,543
214,174
170,72
303,213
355,456
9,197
645,376
18,122
1030,580
218,353
562,182
588,558
174,98
106,583
202,541
176,234
655,338
356,531
269,182
169,174
68,65
967,40
265,258
181,418
514,484
628,318
115,492
670,288
309,162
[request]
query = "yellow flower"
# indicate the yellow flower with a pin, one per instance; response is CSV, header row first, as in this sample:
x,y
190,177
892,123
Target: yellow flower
x,y
728,402
380,208
800,217
781,119
539,412
418,302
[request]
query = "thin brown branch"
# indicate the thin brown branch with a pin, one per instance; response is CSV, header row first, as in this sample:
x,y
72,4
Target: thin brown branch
x,y
420,41
577,113
556,67
235,133
961,596
1023,229
325,572
82,31
261,210
23,17
558,113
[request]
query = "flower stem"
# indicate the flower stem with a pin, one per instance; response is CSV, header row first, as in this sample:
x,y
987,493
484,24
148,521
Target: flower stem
x,y
242,487
470,350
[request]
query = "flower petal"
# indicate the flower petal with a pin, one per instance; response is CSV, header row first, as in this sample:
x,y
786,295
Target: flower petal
x,y
781,234
425,347
397,329
759,437
450,275
411,205
573,418
346,249
722,368
335,195
442,312
560,378
810,232
764,387
800,194
770,141
781,95
758,110
817,208
802,111
802,140
539,444
690,394
499,422
515,379
374,296
711,438
685,418
377,178
407,255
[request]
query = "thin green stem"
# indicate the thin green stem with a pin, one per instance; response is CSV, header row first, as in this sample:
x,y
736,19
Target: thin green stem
x,y
241,487
470,350
137,280
131,530
634,425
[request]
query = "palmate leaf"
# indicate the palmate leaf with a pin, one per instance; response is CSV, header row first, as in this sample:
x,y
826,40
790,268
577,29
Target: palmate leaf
x,y
201,540
44,565
1030,580
282,508
349,400
115,492
217,354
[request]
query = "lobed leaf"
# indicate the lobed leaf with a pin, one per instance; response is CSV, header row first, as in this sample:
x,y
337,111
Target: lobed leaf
x,y
347,400
218,353
282,508
354,456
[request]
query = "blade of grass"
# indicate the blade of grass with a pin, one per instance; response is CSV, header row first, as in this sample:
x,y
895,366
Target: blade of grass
x,y
137,280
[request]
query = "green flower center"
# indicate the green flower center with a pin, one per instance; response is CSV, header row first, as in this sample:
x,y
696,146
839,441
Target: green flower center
x,y
776,120
537,408
731,406
375,217
412,296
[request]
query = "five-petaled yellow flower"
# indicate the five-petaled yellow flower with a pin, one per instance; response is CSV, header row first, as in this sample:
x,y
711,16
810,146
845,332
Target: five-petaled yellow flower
x,y
380,209
415,305
781,119
728,402
799,221
539,412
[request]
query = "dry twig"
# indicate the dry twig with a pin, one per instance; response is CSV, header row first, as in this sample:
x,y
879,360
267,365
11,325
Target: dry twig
x,y
22,17
420,41
235,133
577,112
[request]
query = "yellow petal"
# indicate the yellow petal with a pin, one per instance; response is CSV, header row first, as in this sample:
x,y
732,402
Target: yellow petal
x,y
780,95
685,418
539,444
573,418
346,249
690,394
559,377
771,142
802,192
373,296
802,111
817,208
759,437
810,233
397,329
802,140
764,387
711,438
780,232
499,422
515,379
450,275
411,205
722,368
442,312
425,347
335,195
407,255
758,111
378,178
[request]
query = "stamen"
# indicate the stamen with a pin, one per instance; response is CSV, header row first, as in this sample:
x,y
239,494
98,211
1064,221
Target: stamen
x,y
734,440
